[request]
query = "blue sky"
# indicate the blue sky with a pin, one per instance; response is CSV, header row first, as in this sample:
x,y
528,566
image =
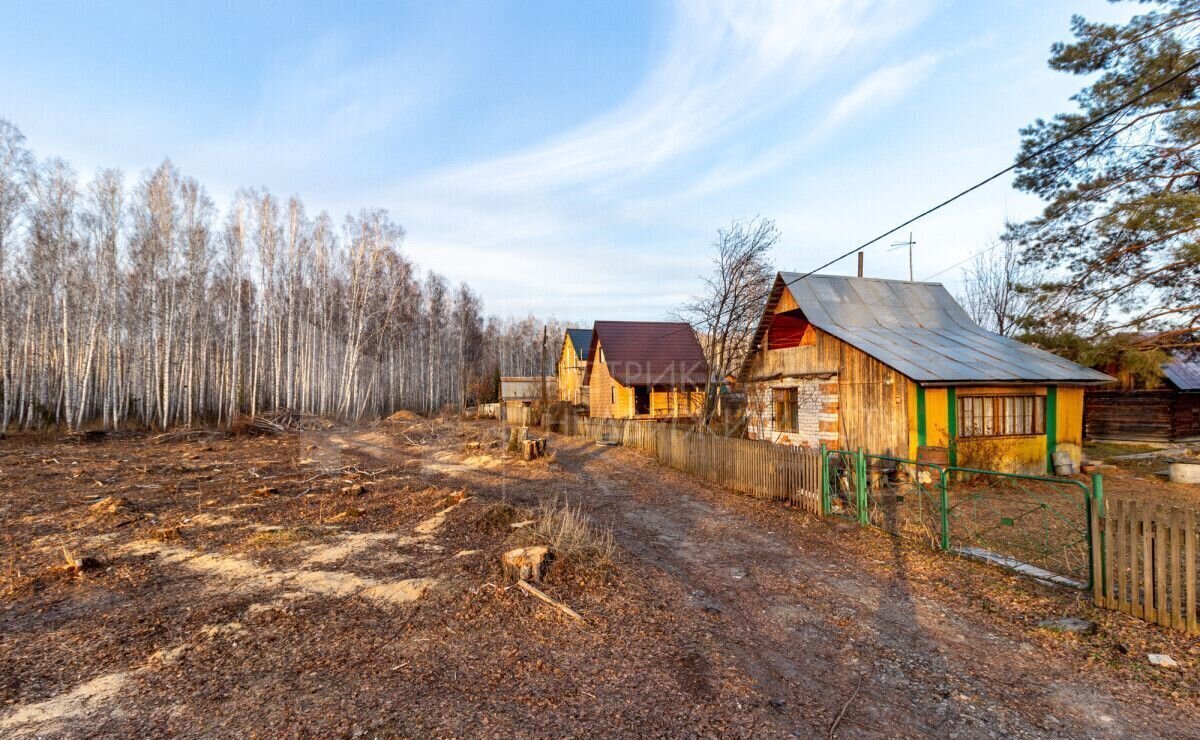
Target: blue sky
x,y
569,158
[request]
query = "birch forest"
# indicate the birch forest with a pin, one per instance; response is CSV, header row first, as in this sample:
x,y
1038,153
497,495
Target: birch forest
x,y
142,303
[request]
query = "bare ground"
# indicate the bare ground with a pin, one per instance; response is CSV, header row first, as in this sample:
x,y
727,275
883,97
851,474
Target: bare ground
x,y
346,583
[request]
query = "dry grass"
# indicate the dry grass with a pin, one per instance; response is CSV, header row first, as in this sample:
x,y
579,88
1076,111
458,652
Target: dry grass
x,y
281,537
584,553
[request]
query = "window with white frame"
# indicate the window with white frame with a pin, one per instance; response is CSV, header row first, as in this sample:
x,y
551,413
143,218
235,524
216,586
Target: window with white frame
x,y
1001,416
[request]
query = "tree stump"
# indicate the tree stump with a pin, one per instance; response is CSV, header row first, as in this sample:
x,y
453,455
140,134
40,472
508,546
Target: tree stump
x,y
516,439
527,563
534,448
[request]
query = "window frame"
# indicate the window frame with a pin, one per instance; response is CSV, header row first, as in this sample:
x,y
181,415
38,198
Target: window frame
x,y
992,416
791,399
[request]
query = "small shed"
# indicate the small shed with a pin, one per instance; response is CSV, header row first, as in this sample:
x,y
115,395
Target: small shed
x,y
899,368
519,393
572,366
645,370
1164,415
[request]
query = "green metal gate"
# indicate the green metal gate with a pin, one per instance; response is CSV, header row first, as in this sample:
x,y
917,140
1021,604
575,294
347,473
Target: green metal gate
x,y
1038,525
906,498
842,495
1035,524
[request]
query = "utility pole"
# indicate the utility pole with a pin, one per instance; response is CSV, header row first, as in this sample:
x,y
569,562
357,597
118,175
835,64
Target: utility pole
x,y
910,243
545,393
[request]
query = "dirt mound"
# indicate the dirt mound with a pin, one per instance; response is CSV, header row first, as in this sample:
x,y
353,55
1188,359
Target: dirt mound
x,y
404,415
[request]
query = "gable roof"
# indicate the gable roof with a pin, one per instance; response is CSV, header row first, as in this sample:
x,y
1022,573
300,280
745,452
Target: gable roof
x,y
649,353
919,330
1183,371
581,340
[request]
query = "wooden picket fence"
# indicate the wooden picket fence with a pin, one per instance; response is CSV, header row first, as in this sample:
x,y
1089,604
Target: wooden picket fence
x,y
1144,561
759,469
641,435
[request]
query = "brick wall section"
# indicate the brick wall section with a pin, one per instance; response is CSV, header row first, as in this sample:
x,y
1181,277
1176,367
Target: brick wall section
x,y
817,417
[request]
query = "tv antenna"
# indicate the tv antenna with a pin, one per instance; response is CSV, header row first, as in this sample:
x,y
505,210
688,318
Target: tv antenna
x,y
910,243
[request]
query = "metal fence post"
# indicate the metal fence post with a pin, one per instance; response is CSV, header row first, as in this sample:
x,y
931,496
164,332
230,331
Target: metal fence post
x,y
825,505
944,491
1096,507
864,517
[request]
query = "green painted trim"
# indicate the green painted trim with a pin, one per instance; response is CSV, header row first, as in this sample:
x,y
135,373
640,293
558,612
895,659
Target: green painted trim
x,y
1051,426
952,425
921,433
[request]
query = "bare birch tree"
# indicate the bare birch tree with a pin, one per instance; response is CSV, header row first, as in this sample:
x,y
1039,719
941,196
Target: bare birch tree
x,y
726,311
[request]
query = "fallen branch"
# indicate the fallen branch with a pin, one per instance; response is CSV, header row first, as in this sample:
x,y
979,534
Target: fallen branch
x,y
838,718
535,591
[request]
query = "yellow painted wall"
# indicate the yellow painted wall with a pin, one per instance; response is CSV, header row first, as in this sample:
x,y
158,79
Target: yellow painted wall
x,y
1025,454
570,373
602,388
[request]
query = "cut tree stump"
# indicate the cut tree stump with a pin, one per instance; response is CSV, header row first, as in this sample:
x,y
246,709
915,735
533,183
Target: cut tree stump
x,y
527,563
534,448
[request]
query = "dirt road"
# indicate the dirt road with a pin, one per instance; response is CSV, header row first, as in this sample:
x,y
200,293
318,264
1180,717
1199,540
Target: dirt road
x,y
824,617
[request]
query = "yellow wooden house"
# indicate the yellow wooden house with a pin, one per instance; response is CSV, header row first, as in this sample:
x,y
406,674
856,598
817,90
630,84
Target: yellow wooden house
x,y
572,366
899,368
645,370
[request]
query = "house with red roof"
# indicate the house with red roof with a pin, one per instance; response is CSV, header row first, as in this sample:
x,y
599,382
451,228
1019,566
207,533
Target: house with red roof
x,y
645,370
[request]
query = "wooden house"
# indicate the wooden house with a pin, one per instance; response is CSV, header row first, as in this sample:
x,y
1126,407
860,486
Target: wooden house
x,y
645,370
572,366
898,368
1167,414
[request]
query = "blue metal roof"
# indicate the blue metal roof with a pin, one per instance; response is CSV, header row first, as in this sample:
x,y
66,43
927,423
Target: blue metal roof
x,y
1184,371
582,339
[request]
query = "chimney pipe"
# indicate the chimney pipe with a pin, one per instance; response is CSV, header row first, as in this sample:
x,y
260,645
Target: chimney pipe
x,y
860,264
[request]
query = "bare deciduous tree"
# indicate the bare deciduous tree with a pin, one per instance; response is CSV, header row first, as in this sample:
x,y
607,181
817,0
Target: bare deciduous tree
x,y
148,307
995,288
726,312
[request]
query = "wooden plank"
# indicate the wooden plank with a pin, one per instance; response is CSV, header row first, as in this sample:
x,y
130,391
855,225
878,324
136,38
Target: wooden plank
x,y
1160,566
1176,564
1110,564
1189,551
1147,562
1126,573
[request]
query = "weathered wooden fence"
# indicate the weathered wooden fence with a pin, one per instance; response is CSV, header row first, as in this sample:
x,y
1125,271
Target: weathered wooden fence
x,y
517,416
1145,561
642,435
760,469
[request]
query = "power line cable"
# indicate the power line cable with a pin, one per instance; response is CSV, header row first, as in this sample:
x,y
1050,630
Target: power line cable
x,y
1020,162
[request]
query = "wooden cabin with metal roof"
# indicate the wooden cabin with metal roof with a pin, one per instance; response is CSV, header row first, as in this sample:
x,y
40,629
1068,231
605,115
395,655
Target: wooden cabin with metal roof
x,y
899,368
572,366
645,370
1168,413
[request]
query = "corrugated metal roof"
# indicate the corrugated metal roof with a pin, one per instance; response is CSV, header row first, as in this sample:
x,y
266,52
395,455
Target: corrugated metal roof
x,y
581,339
919,330
650,352
1184,371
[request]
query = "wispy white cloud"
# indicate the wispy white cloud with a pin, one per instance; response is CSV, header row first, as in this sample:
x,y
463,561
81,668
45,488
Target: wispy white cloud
x,y
685,134
725,64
